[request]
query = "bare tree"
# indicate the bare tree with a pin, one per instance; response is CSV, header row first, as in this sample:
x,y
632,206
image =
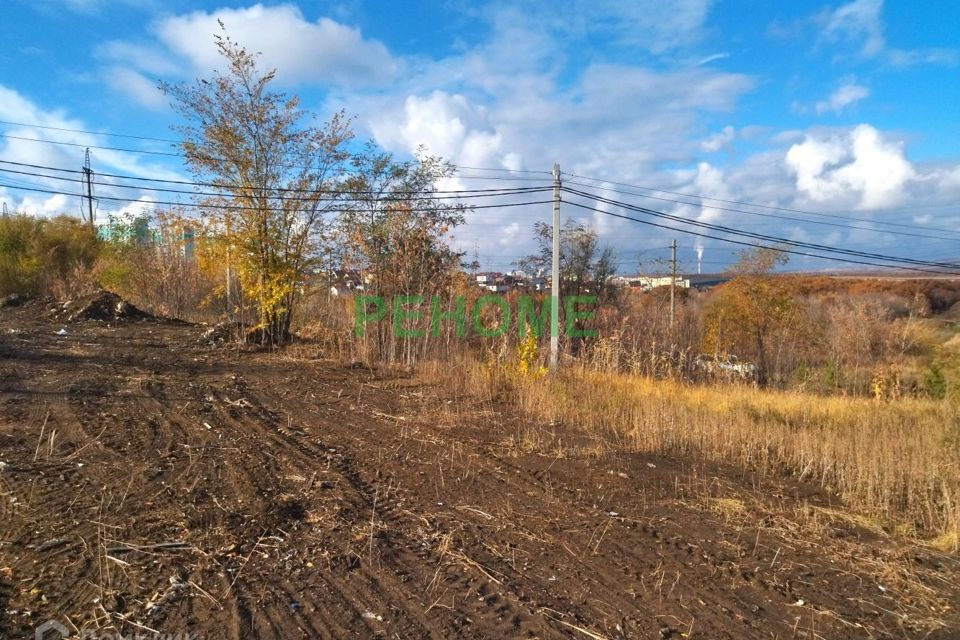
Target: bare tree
x,y
584,266
396,232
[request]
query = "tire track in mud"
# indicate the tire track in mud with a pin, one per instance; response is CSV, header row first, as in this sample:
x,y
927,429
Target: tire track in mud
x,y
478,580
36,484
251,426
633,551
496,607
400,558
744,587
675,553
30,502
90,514
304,454
155,436
658,546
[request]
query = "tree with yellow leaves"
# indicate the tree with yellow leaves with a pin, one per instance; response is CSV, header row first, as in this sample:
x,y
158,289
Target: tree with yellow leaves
x,y
744,313
271,181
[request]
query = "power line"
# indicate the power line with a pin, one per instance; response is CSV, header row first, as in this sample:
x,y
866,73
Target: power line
x,y
757,246
171,154
484,193
782,217
173,141
750,234
499,170
574,192
764,206
431,194
243,208
92,146
216,185
307,195
92,133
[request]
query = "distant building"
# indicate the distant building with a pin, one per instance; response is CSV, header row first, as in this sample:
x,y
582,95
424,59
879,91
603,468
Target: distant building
x,y
684,281
647,283
505,282
138,230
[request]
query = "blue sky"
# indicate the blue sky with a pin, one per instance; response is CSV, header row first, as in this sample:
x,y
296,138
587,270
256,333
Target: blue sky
x,y
848,108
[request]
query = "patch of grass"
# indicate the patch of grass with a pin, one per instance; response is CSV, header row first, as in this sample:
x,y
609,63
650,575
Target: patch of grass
x,y
891,461
948,542
867,523
728,507
896,463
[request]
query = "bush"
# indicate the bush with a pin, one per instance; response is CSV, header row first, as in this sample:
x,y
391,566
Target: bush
x,y
935,382
44,255
150,262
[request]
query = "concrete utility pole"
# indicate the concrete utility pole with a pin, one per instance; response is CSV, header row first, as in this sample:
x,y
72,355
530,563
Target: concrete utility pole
x,y
88,173
555,274
673,282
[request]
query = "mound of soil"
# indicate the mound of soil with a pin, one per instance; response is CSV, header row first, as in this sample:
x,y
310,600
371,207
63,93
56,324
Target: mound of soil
x,y
104,305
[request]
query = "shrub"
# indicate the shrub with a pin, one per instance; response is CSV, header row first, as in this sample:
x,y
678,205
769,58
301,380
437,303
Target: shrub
x,y
935,382
45,255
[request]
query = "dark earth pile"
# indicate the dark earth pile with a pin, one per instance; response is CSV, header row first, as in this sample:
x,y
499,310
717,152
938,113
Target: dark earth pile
x,y
103,305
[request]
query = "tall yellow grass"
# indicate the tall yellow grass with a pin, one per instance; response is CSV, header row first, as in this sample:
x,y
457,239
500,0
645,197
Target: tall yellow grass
x,y
898,461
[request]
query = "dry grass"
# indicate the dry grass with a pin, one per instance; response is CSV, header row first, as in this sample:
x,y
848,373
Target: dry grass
x,y
896,463
947,542
897,460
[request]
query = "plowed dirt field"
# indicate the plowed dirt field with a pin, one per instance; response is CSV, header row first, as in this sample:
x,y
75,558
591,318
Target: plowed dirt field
x,y
150,483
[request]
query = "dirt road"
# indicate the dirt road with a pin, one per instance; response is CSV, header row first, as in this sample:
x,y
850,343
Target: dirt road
x,y
151,483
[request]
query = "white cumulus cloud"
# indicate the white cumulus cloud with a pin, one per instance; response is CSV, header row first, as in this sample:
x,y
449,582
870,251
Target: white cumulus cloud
x,y
859,167
324,52
301,50
446,124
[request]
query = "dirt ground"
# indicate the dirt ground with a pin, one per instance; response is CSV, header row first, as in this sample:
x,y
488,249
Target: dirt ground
x,y
152,483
